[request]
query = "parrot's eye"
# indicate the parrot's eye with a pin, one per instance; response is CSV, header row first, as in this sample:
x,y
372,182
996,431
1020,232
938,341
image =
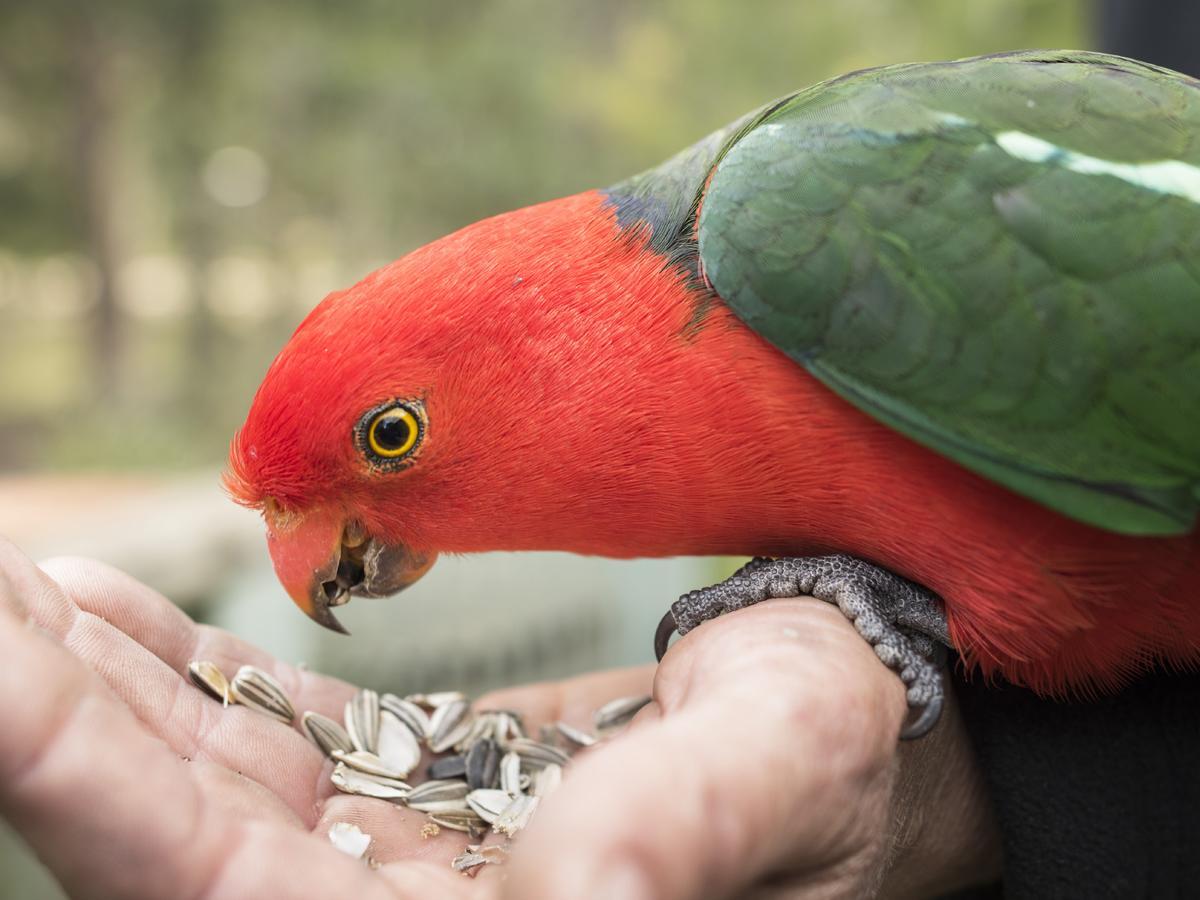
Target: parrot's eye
x,y
389,433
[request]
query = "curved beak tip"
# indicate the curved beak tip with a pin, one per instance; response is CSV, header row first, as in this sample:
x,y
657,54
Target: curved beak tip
x,y
323,616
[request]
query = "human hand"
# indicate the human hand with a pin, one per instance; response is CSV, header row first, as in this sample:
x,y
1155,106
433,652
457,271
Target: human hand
x,y
130,783
767,767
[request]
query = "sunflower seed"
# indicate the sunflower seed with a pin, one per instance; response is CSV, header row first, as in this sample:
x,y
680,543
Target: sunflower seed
x,y
369,763
494,724
546,781
535,754
479,727
325,733
447,721
456,740
575,735
505,724
448,767
475,856
259,691
351,781
483,759
488,803
350,839
439,789
510,773
516,815
615,713
441,807
407,712
362,720
434,700
206,676
467,822
398,747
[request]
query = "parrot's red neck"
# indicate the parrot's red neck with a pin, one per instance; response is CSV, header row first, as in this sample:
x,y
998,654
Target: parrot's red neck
x,y
655,423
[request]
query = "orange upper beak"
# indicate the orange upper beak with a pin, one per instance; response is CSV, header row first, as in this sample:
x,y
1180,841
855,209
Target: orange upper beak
x,y
321,561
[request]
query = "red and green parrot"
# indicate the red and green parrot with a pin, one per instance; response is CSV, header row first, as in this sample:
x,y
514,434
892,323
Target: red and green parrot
x,y
924,338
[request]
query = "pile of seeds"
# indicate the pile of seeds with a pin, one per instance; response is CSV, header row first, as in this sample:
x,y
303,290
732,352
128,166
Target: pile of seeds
x,y
487,773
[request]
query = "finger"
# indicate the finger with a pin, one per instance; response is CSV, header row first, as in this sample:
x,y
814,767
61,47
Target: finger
x,y
573,700
162,628
773,749
257,747
111,809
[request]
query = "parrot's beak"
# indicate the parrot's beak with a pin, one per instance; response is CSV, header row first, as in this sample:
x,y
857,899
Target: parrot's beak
x,y
322,561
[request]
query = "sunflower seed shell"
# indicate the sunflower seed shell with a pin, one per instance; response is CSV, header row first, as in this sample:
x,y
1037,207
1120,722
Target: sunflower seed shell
x,y
351,781
575,735
488,803
325,733
439,789
368,763
350,839
535,753
448,767
616,713
447,721
516,814
254,688
398,747
473,857
436,699
510,773
407,712
362,721
206,676
465,822
483,762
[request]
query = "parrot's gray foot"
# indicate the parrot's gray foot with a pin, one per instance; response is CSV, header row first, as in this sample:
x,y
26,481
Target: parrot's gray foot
x,y
903,622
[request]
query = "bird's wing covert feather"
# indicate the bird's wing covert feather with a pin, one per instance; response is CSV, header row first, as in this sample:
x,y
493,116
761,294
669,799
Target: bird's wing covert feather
x,y
998,257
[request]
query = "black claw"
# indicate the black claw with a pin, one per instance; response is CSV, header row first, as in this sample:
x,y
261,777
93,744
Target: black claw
x,y
662,635
926,718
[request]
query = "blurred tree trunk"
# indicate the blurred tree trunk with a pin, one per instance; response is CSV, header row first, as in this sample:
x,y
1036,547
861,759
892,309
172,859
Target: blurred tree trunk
x,y
1163,32
191,32
91,89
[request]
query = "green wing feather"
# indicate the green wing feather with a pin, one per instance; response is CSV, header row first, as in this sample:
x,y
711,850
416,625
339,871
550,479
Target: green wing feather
x,y
998,257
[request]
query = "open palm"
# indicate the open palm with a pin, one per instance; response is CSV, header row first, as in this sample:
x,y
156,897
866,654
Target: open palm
x,y
768,757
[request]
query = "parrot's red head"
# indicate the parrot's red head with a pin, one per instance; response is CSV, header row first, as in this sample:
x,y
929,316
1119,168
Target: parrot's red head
x,y
535,381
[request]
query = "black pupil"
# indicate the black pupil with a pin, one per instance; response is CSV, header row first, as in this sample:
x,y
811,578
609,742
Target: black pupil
x,y
392,432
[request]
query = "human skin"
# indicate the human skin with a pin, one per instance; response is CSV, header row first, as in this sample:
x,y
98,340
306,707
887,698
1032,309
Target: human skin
x,y
767,766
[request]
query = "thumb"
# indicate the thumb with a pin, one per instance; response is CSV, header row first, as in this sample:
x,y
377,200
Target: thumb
x,y
729,780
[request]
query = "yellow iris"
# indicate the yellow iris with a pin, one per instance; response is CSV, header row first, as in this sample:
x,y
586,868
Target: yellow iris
x,y
393,432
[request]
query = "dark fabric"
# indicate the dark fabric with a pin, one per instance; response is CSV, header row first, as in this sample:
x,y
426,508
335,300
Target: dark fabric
x,y
1094,800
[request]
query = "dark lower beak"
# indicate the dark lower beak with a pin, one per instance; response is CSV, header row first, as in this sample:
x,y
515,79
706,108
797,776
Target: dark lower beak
x,y
322,563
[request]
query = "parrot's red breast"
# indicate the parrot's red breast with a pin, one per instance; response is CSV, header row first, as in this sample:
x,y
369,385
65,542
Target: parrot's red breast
x,y
577,392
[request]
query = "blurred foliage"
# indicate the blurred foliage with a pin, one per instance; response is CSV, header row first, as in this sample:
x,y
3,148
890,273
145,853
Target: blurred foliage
x,y
148,272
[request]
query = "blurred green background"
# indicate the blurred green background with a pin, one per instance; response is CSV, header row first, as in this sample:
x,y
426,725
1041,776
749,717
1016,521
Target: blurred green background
x,y
181,181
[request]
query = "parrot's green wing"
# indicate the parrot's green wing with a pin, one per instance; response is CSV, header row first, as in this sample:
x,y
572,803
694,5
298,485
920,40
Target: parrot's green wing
x,y
998,257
